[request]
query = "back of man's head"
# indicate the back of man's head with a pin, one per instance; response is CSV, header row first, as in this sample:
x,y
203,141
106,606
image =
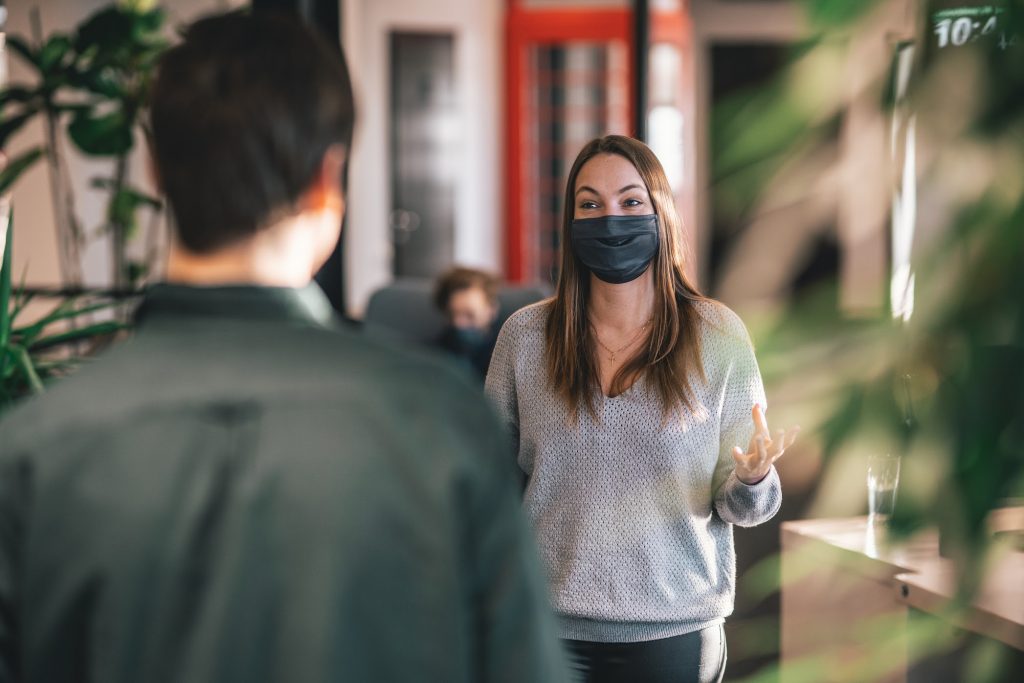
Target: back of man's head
x,y
243,112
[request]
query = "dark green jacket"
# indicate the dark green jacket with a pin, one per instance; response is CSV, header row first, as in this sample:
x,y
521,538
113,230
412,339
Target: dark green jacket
x,y
246,492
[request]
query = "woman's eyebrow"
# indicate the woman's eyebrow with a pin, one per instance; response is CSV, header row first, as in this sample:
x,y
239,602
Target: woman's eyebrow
x,y
627,188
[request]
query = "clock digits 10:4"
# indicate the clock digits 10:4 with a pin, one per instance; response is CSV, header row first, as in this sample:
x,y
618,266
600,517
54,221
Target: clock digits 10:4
x,y
962,30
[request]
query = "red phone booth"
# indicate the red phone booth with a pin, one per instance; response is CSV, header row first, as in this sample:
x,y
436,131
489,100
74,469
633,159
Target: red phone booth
x,y
570,77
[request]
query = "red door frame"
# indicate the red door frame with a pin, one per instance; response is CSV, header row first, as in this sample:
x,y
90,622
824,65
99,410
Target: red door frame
x,y
530,26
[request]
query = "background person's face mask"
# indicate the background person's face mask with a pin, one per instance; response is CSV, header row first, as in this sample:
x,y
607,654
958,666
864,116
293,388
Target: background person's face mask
x,y
467,340
617,249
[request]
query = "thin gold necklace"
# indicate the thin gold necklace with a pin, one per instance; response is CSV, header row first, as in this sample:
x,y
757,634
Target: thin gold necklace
x,y
613,353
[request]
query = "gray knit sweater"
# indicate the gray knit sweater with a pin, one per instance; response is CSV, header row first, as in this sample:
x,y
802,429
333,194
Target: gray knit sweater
x,y
634,515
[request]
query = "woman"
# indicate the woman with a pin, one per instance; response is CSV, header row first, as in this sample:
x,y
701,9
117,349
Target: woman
x,y
629,394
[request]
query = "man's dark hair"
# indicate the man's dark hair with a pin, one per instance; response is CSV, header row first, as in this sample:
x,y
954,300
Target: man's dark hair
x,y
459,278
242,112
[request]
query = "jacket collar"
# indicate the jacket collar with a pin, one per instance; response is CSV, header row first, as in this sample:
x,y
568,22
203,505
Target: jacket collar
x,y
307,305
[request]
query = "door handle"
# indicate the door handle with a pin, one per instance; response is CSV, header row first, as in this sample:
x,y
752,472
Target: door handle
x,y
403,224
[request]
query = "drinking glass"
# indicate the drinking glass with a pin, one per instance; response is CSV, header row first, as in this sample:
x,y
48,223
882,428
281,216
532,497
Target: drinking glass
x,y
883,477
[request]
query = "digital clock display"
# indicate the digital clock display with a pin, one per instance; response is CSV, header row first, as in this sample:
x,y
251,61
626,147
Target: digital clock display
x,y
962,24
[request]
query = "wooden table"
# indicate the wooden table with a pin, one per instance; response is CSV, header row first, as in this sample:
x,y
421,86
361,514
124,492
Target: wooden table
x,y
854,607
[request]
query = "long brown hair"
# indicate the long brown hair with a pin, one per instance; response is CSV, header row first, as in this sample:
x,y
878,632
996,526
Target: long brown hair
x,y
670,357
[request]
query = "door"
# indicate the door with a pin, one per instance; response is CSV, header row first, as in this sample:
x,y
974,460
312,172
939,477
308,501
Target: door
x,y
424,153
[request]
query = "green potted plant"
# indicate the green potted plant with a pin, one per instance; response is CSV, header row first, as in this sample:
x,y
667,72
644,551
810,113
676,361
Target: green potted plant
x,y
35,351
92,84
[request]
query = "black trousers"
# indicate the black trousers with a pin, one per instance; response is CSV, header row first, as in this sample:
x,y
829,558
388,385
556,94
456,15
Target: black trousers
x,y
697,657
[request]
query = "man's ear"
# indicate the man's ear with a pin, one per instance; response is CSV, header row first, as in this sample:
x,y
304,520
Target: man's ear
x,y
326,191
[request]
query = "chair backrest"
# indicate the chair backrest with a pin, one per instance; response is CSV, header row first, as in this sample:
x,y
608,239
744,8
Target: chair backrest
x,y
405,309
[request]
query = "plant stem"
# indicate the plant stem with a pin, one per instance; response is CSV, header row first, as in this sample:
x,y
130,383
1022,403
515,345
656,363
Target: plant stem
x,y
119,231
69,234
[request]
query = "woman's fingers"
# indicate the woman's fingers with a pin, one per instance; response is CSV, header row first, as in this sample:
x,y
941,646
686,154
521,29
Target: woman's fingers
x,y
791,435
785,440
745,462
760,428
763,450
778,444
760,424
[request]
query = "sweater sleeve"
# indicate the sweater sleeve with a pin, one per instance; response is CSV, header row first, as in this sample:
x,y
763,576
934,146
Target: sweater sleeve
x,y
500,385
738,503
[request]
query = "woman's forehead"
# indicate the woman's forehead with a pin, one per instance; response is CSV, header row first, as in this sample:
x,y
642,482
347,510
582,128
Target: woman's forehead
x,y
608,173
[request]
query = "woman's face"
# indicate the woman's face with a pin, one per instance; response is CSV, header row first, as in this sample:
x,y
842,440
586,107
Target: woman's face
x,y
609,185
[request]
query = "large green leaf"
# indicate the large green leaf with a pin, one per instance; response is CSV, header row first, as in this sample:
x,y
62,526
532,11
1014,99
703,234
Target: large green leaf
x,y
124,203
16,94
53,53
19,165
75,108
147,25
21,303
136,196
81,334
104,30
104,135
122,208
99,77
24,50
136,271
11,125
65,311
8,366
27,333
25,360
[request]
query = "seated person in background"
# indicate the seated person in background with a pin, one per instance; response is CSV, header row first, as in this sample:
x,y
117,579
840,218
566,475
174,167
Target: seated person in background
x,y
246,490
468,298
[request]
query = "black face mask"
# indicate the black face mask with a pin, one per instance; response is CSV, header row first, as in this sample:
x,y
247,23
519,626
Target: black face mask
x,y
617,249
466,340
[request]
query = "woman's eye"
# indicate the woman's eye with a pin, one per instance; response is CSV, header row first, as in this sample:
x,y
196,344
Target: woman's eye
x,y
588,205
632,202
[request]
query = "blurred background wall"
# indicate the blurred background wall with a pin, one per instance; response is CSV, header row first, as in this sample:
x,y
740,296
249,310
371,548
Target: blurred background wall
x,y
471,112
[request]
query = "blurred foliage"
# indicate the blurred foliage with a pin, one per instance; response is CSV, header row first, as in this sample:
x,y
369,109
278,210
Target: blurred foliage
x,y
945,389
953,374
836,13
32,353
96,80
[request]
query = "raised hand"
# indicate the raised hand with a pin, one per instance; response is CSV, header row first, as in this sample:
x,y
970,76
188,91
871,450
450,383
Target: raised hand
x,y
763,451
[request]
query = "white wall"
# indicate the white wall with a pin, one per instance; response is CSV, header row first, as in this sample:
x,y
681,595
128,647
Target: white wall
x,y
479,223
34,232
